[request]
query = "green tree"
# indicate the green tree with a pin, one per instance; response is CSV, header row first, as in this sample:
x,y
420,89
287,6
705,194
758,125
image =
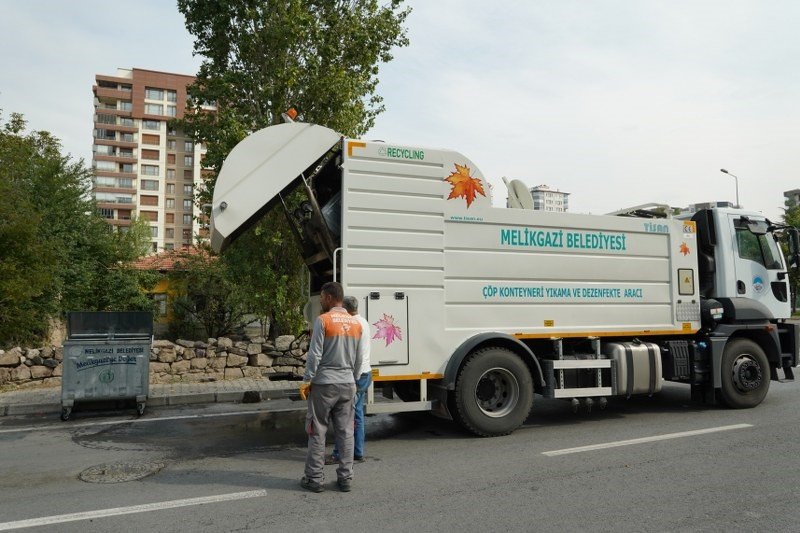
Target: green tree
x,y
207,297
57,254
791,217
260,58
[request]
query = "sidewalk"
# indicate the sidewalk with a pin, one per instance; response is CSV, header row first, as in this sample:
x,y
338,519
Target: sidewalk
x,y
48,399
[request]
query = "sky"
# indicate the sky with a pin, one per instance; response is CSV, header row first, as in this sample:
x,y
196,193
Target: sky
x,y
619,103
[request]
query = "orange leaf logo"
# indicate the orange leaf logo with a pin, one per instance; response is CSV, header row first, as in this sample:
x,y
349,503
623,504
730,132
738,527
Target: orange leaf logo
x,y
685,249
464,185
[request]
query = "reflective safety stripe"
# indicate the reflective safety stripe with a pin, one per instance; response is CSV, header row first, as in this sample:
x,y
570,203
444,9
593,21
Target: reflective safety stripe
x,y
408,377
568,335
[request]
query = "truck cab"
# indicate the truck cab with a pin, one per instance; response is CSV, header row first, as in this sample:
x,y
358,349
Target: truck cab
x,y
740,262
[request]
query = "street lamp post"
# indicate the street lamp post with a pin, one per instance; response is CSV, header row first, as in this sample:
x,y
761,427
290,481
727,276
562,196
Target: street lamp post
x,y
735,177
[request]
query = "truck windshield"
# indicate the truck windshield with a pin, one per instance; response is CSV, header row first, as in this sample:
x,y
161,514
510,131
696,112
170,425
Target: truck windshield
x,y
759,248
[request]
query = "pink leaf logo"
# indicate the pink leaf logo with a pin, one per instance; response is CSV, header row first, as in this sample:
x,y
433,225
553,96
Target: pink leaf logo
x,y
387,330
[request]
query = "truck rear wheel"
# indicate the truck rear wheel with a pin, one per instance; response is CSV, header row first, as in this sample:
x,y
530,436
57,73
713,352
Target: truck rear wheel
x,y
494,392
745,374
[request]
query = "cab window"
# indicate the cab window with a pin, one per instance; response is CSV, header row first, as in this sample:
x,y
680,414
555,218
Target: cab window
x,y
759,248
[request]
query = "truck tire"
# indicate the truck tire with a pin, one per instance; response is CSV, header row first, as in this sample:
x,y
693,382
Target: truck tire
x,y
494,392
745,374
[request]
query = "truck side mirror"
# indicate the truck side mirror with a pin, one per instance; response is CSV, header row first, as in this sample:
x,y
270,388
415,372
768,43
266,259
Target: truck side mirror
x,y
794,248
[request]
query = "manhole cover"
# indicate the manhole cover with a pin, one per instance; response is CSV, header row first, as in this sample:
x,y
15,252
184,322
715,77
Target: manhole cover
x,y
119,472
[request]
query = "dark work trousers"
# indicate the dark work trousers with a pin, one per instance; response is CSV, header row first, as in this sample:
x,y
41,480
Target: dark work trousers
x,y
332,402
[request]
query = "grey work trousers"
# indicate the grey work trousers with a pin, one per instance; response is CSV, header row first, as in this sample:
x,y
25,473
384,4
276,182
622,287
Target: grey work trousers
x,y
332,402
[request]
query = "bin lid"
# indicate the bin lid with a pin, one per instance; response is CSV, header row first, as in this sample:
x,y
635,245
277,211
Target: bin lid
x,y
102,324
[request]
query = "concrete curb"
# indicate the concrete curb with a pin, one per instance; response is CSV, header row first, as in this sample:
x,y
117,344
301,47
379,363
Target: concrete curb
x,y
163,400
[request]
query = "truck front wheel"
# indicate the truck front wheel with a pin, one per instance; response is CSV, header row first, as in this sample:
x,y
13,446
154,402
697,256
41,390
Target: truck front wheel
x,y
494,392
745,374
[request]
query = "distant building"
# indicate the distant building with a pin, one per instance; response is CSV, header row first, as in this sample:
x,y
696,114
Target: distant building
x,y
792,197
694,208
143,167
547,199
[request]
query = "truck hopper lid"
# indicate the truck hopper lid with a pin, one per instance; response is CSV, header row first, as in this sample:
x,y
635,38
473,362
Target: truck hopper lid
x,y
261,167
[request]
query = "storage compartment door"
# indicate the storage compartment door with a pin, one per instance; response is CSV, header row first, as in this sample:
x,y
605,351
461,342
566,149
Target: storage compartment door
x,y
387,314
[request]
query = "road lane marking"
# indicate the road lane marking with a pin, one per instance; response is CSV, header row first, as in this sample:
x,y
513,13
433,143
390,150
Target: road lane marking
x,y
69,425
117,511
666,436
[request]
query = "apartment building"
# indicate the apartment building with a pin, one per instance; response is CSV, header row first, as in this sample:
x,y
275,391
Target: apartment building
x,y
143,167
547,199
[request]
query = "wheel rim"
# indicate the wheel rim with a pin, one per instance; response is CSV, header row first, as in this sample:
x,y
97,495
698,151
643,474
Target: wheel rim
x,y
747,373
497,392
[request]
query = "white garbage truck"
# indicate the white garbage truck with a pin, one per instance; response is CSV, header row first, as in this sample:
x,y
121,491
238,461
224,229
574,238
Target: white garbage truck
x,y
475,309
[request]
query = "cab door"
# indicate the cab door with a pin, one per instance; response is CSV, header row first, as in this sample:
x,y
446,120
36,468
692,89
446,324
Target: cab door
x,y
759,265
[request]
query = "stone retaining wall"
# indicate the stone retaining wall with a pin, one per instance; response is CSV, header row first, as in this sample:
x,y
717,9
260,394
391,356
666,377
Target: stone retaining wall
x,y
181,361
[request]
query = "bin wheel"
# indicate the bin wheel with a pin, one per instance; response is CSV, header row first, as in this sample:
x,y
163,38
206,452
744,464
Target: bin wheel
x,y
140,408
65,412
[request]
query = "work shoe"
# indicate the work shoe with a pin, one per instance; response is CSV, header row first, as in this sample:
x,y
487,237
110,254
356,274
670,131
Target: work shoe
x,y
344,484
331,460
359,458
310,484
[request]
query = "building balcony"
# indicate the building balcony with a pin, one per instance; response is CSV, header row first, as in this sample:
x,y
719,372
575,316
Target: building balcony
x,y
113,190
108,92
115,205
119,158
116,127
113,142
119,221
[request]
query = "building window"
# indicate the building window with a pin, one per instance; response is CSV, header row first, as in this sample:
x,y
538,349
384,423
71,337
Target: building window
x,y
171,175
161,300
150,185
128,138
148,138
153,94
153,109
151,125
105,165
153,246
150,170
188,146
152,216
187,220
187,190
103,150
154,231
187,160
170,188
187,205
187,235
106,213
106,119
170,159
172,111
188,174
148,200
169,246
172,131
127,168
125,106
126,122
172,144
170,218
169,233
150,154
172,96
170,203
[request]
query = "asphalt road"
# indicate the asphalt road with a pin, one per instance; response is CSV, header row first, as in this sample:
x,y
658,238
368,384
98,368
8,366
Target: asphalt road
x,y
422,474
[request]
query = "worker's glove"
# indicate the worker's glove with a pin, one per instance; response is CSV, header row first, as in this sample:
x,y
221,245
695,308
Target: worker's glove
x,y
305,388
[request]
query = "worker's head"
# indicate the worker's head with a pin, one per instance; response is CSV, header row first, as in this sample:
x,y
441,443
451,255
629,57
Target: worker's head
x,y
331,296
350,303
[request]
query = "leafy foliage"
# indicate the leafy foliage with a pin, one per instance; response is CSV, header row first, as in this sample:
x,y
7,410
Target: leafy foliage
x,y
261,58
207,297
56,253
791,217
